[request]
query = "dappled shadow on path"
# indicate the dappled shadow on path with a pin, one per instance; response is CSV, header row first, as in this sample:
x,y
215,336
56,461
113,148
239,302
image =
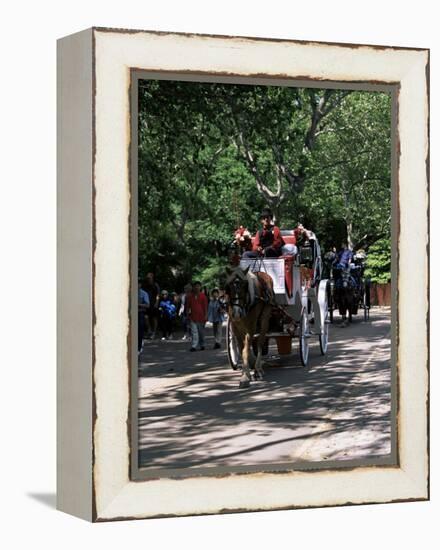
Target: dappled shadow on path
x,y
192,414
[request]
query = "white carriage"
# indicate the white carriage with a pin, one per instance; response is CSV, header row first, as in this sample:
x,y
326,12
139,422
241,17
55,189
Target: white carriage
x,y
301,296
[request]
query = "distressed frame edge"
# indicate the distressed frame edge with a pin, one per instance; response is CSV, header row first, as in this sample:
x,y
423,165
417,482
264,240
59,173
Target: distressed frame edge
x,y
425,495
136,473
256,38
94,514
74,266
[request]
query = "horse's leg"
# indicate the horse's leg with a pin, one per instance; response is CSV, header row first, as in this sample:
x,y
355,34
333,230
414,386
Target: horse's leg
x,y
350,300
240,342
252,358
343,305
253,330
265,318
245,379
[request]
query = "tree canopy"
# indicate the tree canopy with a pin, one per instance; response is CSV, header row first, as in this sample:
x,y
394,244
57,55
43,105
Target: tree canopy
x,y
211,156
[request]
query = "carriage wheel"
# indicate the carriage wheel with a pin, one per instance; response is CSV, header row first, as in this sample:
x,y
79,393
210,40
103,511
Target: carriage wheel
x,y
323,338
232,347
304,336
330,302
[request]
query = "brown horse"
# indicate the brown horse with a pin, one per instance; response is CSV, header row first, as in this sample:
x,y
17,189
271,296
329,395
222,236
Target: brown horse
x,y
250,302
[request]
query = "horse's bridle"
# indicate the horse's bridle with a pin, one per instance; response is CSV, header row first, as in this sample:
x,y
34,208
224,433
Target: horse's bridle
x,y
346,276
234,296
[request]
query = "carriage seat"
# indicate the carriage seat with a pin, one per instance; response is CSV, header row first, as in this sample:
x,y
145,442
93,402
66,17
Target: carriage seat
x,y
290,240
288,258
290,250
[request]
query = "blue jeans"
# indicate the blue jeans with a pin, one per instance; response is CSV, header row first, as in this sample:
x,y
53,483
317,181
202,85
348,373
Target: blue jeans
x,y
197,334
217,330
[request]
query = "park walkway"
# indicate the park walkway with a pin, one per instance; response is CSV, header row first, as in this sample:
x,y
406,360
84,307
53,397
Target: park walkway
x,y
192,413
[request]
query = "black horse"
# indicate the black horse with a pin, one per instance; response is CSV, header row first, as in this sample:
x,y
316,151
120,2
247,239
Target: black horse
x,y
345,291
348,290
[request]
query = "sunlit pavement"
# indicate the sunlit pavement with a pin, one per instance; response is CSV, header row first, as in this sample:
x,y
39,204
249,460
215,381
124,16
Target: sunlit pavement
x,y
192,413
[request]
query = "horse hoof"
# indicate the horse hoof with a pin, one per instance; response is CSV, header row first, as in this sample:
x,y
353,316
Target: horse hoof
x,y
244,384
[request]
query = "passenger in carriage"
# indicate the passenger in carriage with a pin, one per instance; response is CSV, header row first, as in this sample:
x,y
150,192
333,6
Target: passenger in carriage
x,y
344,257
268,241
303,235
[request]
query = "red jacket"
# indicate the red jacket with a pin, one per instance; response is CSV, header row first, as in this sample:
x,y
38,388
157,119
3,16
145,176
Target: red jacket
x,y
198,307
277,241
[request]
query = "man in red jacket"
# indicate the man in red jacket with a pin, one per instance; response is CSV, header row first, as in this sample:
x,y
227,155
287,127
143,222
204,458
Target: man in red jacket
x,y
268,241
198,315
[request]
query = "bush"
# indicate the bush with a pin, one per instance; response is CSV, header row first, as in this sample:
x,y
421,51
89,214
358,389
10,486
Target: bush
x,y
378,267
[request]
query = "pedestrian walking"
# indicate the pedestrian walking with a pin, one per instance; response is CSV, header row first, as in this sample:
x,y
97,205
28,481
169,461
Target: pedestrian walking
x,y
167,311
216,317
175,299
153,290
143,307
198,315
183,312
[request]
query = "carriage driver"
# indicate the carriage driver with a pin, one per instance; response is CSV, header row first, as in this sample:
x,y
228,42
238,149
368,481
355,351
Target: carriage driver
x,y
268,241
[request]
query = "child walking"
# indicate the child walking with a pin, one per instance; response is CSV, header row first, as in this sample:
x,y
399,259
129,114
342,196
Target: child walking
x,y
216,317
167,311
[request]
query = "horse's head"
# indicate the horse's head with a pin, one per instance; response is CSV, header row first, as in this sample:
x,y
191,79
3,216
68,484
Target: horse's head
x,y
346,277
329,257
237,290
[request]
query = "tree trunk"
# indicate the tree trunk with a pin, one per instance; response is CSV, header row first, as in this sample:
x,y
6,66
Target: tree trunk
x,y
350,234
276,211
348,220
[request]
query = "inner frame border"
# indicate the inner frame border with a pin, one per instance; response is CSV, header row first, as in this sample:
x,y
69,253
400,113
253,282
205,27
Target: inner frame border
x,y
392,460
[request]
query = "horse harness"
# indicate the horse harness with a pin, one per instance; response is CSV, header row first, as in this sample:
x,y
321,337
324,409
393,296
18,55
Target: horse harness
x,y
264,293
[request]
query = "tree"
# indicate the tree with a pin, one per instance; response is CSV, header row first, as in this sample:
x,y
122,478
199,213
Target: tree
x,y
275,130
212,155
350,172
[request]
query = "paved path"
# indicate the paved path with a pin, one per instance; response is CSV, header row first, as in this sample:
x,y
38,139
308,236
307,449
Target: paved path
x,y
192,413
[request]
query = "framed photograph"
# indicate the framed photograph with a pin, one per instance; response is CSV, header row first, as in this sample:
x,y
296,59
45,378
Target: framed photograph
x,y
243,290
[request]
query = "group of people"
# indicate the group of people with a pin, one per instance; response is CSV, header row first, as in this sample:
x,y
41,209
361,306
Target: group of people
x,y
346,259
159,310
268,241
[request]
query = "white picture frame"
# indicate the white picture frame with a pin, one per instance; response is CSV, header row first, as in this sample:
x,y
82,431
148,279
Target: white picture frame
x,y
95,356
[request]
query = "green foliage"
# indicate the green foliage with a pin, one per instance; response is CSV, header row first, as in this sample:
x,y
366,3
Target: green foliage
x,y
379,261
211,156
213,272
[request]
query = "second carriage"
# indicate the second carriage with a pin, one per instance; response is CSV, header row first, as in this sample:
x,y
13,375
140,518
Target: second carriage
x,y
301,296
352,280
